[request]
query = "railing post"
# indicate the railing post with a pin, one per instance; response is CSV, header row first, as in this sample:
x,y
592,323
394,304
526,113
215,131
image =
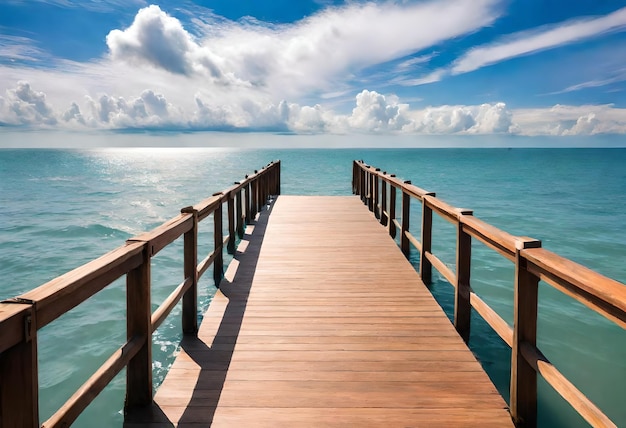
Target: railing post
x,y
523,376
354,178
376,195
247,201
426,268
254,189
138,314
231,224
383,202
370,203
239,213
218,241
262,195
406,213
278,178
19,389
462,305
190,298
392,210
364,186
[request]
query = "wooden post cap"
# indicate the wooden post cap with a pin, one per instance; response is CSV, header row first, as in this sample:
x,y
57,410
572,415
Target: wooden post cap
x,y
524,243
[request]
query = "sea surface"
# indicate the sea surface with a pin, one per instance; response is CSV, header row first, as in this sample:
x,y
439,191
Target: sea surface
x,y
62,208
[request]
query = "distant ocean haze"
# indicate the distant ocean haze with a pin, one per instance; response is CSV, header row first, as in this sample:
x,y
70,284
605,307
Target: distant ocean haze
x,y
62,208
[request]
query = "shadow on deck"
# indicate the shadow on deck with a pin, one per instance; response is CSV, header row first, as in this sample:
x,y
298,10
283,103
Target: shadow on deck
x,y
207,363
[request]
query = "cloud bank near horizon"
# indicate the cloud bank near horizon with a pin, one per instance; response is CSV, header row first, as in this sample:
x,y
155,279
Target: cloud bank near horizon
x,y
24,106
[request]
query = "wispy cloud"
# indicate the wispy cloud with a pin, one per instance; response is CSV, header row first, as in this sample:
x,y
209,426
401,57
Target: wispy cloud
x,y
528,42
616,77
431,77
18,48
92,5
412,62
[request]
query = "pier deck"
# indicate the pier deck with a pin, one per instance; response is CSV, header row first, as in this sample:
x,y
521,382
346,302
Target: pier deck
x,y
322,321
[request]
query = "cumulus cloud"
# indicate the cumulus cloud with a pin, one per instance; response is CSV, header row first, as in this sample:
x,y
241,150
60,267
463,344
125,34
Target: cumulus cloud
x,y
572,120
372,113
481,119
147,110
25,106
160,40
527,42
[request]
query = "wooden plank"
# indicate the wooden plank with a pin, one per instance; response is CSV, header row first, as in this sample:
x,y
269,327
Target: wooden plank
x,y
324,323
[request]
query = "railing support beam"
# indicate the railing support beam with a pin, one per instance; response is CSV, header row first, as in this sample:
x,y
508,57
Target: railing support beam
x,y
19,389
523,375
376,195
239,214
190,298
392,210
218,241
406,215
383,203
462,305
231,225
426,267
139,312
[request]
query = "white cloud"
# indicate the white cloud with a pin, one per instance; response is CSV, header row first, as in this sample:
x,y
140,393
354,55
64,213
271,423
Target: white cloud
x,y
528,42
433,76
291,59
482,119
373,113
412,62
572,120
17,48
615,77
91,5
160,40
24,106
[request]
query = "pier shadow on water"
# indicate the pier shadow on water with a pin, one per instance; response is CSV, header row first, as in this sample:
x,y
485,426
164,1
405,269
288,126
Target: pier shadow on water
x,y
192,389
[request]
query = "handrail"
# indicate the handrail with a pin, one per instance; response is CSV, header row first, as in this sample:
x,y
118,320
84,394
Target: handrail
x,y
532,264
21,317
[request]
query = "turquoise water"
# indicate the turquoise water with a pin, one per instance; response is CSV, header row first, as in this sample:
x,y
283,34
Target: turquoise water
x,y
62,208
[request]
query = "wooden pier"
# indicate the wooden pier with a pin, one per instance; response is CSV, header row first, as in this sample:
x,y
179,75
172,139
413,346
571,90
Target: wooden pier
x,y
319,320
325,324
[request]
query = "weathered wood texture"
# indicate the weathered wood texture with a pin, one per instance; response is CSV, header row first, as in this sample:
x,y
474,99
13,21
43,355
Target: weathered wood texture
x,y
324,324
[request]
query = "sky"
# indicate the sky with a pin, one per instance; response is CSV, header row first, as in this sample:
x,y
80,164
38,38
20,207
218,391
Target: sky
x,y
315,67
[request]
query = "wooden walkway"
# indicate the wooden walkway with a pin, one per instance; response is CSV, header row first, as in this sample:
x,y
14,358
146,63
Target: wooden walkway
x,y
313,327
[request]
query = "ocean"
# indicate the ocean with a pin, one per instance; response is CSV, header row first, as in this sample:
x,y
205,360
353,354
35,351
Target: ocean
x,y
62,208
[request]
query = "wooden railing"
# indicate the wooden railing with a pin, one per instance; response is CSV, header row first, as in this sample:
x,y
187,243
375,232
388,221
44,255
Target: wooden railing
x,y
379,191
23,316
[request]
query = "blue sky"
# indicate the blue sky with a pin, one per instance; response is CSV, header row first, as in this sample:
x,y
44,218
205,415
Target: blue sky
x,y
440,67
